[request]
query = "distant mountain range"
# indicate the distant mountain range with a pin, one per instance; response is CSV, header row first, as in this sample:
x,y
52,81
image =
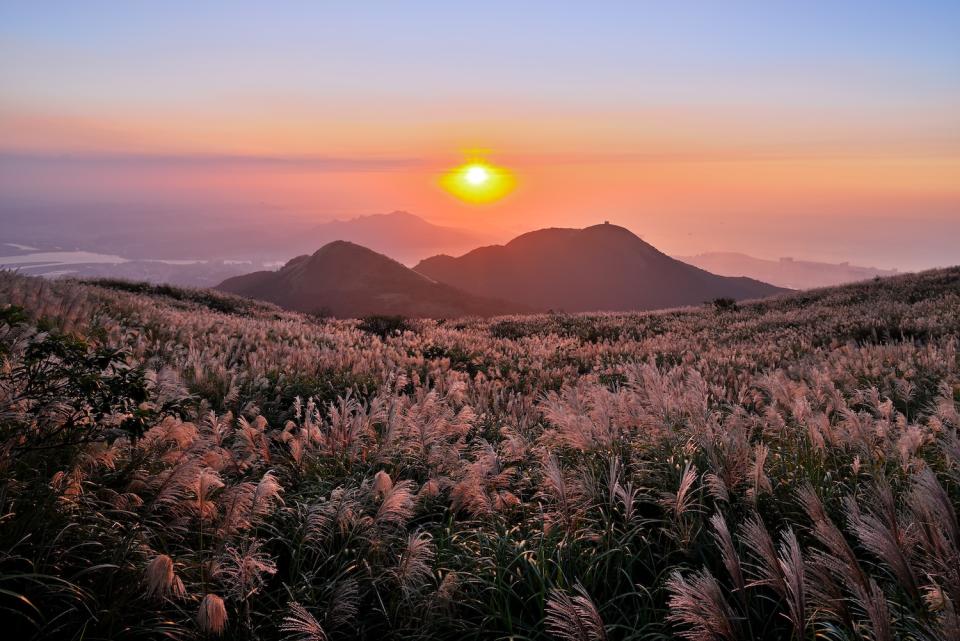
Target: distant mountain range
x,y
201,249
260,236
603,267
349,281
786,272
399,234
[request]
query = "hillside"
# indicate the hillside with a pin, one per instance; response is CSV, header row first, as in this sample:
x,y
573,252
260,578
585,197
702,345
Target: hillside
x,y
349,281
180,461
786,272
604,267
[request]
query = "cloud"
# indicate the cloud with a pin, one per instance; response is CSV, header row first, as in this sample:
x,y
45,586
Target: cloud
x,y
127,160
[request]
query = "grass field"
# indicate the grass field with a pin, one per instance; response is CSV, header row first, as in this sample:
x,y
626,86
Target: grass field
x,y
184,464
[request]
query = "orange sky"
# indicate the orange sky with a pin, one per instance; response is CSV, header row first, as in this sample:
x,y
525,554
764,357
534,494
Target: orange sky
x,y
818,133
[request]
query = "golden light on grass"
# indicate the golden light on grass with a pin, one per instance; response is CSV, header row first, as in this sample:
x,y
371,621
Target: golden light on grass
x,y
212,615
478,182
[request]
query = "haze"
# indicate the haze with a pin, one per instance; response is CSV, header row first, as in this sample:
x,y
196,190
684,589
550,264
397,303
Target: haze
x,y
826,131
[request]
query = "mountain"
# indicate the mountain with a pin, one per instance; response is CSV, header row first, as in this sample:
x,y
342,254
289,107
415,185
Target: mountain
x,y
786,272
349,281
399,234
604,267
256,233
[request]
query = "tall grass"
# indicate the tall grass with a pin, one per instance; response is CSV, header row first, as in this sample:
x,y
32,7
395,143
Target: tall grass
x,y
184,465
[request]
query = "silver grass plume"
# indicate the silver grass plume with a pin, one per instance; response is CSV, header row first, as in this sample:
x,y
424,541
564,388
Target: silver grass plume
x,y
337,514
397,505
839,557
413,568
242,570
792,568
212,615
834,569
160,579
766,570
758,476
266,495
681,501
343,607
699,604
573,617
300,625
880,532
874,604
731,560
716,487
382,483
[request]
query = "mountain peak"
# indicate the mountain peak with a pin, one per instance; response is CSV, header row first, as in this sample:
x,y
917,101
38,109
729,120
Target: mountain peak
x,y
601,267
398,234
345,279
398,215
608,227
404,214
344,246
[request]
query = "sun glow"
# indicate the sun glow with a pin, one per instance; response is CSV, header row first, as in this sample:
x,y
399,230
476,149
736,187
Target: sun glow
x,y
478,182
477,175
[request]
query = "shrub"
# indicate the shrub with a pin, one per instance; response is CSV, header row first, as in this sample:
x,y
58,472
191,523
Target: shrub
x,y
384,326
724,304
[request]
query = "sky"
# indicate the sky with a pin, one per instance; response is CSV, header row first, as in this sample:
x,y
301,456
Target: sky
x,y
823,130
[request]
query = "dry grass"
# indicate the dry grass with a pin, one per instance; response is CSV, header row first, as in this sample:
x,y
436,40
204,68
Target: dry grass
x,y
181,467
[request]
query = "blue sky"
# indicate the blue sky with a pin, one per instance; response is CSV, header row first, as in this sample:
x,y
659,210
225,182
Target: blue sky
x,y
86,54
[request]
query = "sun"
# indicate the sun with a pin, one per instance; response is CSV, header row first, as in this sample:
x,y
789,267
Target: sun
x,y
478,182
477,175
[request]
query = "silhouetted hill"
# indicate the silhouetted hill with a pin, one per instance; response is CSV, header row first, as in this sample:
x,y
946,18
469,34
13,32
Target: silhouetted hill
x,y
349,281
786,272
604,267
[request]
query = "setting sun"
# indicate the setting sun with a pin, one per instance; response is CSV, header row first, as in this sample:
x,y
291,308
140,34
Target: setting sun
x,y
478,182
477,175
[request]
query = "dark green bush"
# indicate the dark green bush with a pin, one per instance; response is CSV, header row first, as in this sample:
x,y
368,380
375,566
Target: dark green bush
x,y
724,304
383,325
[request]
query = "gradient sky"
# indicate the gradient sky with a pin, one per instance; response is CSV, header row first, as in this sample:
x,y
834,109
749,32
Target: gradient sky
x,y
826,130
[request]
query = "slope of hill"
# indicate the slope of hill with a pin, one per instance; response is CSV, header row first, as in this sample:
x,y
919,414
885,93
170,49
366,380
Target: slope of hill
x,y
167,454
786,272
603,267
346,280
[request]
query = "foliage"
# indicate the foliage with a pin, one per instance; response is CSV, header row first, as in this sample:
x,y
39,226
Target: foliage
x,y
724,304
60,391
216,301
383,326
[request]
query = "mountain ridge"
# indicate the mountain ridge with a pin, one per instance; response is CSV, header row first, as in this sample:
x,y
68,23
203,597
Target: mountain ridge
x,y
598,268
403,236
344,279
601,267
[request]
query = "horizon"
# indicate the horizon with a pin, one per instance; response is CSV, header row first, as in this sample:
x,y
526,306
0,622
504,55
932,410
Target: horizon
x,y
826,133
